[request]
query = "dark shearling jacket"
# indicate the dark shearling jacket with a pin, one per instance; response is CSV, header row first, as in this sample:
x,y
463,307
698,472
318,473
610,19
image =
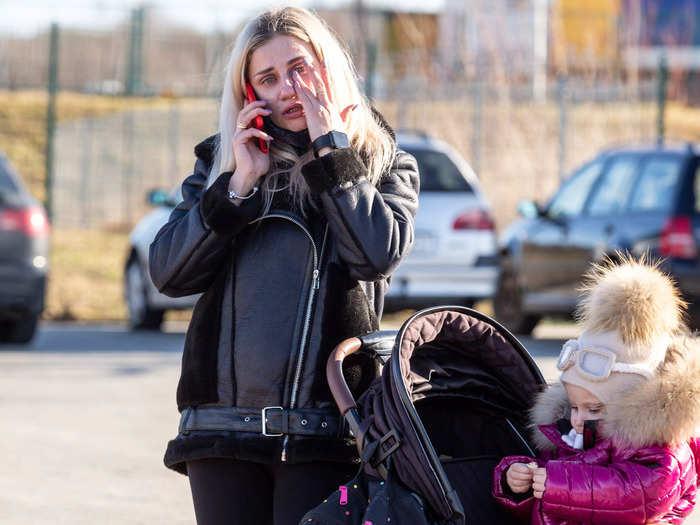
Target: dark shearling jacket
x,y
279,292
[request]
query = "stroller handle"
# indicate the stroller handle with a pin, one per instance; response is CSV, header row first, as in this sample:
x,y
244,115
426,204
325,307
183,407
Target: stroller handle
x,y
334,373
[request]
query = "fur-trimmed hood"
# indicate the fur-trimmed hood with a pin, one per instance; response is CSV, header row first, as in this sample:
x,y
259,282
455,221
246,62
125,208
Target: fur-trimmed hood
x,y
663,410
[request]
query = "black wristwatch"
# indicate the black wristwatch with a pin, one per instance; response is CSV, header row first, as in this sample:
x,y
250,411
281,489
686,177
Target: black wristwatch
x,y
332,139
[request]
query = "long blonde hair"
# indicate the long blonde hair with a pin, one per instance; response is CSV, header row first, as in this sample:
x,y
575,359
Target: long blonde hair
x,y
367,136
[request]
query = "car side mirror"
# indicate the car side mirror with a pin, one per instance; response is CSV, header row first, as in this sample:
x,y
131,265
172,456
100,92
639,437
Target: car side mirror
x,y
158,198
529,209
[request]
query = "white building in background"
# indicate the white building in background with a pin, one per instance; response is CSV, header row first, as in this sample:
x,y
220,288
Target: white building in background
x,y
496,39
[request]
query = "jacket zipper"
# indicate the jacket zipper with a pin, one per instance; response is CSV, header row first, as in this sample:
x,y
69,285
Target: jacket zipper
x,y
315,282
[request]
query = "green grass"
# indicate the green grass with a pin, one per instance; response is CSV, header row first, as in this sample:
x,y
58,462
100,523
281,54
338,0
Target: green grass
x,y
86,275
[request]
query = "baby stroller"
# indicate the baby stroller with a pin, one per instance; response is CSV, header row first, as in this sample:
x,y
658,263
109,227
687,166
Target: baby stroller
x,y
452,400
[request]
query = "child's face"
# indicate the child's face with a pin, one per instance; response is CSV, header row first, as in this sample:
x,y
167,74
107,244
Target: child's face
x,y
584,406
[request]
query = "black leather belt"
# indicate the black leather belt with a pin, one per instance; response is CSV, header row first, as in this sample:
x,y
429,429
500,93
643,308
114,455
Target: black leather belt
x,y
269,421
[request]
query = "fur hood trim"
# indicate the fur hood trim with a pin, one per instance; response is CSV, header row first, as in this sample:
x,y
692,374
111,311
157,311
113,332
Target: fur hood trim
x,y
662,411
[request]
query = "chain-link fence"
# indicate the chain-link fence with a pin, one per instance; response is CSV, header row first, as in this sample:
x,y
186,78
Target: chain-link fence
x,y
144,54
104,166
520,125
521,149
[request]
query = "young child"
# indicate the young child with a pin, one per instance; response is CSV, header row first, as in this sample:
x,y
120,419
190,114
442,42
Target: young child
x,y
617,434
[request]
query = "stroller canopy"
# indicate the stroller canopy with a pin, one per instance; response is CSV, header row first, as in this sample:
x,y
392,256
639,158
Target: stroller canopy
x,y
456,390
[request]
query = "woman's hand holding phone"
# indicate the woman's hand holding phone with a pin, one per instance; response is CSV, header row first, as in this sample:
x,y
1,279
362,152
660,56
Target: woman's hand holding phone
x,y
251,162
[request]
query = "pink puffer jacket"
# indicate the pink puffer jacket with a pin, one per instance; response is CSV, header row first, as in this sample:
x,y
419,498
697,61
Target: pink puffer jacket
x,y
625,478
606,484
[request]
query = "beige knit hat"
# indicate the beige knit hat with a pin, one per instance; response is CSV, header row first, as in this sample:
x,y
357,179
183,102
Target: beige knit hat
x,y
629,312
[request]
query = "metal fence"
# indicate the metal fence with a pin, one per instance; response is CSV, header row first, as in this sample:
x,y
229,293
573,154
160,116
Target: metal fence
x,y
471,92
104,166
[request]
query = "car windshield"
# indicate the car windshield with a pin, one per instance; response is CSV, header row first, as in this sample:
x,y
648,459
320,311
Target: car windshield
x,y
569,200
438,172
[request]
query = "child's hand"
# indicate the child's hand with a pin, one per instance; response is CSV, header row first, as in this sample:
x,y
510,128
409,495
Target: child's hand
x,y
519,478
538,480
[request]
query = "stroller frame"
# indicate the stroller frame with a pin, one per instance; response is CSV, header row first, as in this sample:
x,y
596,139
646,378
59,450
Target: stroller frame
x,y
378,343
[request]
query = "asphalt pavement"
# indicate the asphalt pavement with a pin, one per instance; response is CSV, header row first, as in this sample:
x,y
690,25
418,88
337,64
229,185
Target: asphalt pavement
x,y
87,411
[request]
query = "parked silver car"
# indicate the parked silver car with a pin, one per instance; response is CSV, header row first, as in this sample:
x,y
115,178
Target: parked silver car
x,y
454,258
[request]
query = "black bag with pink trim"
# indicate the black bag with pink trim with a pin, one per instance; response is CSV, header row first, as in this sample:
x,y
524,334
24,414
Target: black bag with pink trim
x,y
370,501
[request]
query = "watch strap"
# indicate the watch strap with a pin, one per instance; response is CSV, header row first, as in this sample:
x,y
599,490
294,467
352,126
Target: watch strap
x,y
332,139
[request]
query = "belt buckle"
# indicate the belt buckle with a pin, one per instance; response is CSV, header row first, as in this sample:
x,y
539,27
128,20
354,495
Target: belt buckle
x,y
264,421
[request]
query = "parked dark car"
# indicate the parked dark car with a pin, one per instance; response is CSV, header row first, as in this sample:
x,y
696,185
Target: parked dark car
x,y
636,200
24,258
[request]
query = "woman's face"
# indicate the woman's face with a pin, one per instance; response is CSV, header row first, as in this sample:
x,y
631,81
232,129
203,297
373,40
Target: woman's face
x,y
584,406
270,74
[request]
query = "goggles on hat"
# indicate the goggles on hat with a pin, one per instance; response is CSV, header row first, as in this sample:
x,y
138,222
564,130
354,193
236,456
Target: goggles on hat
x,y
595,362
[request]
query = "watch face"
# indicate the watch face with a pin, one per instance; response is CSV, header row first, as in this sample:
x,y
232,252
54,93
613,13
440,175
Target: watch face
x,y
332,139
339,139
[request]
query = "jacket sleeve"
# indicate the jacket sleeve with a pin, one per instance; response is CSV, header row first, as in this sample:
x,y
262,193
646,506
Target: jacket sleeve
x,y
373,225
190,248
520,505
639,490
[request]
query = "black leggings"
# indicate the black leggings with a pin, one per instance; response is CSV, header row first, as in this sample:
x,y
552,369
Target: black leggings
x,y
231,492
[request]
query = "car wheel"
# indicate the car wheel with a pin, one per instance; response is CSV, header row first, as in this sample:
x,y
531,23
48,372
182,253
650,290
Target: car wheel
x,y
507,304
141,315
21,331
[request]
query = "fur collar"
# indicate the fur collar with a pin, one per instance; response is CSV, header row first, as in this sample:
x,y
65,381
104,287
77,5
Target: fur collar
x,y
206,149
664,410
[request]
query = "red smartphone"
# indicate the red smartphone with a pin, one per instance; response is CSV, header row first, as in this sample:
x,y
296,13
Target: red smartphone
x,y
257,121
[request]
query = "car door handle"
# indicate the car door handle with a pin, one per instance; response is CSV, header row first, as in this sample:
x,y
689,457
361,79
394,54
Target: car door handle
x,y
609,229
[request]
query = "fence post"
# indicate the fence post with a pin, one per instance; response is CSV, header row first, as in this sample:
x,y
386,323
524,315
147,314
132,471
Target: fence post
x,y
173,140
135,64
477,102
51,120
561,97
371,66
661,100
127,165
87,130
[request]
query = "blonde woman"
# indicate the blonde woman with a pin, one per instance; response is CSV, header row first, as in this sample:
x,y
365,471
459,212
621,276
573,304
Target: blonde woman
x,y
293,249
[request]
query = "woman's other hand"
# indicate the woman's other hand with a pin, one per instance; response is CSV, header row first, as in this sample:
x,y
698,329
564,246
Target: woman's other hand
x,y
251,162
519,478
539,478
314,93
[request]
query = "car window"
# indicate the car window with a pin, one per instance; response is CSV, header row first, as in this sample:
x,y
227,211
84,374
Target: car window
x,y
612,192
7,183
696,185
570,199
656,185
438,172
